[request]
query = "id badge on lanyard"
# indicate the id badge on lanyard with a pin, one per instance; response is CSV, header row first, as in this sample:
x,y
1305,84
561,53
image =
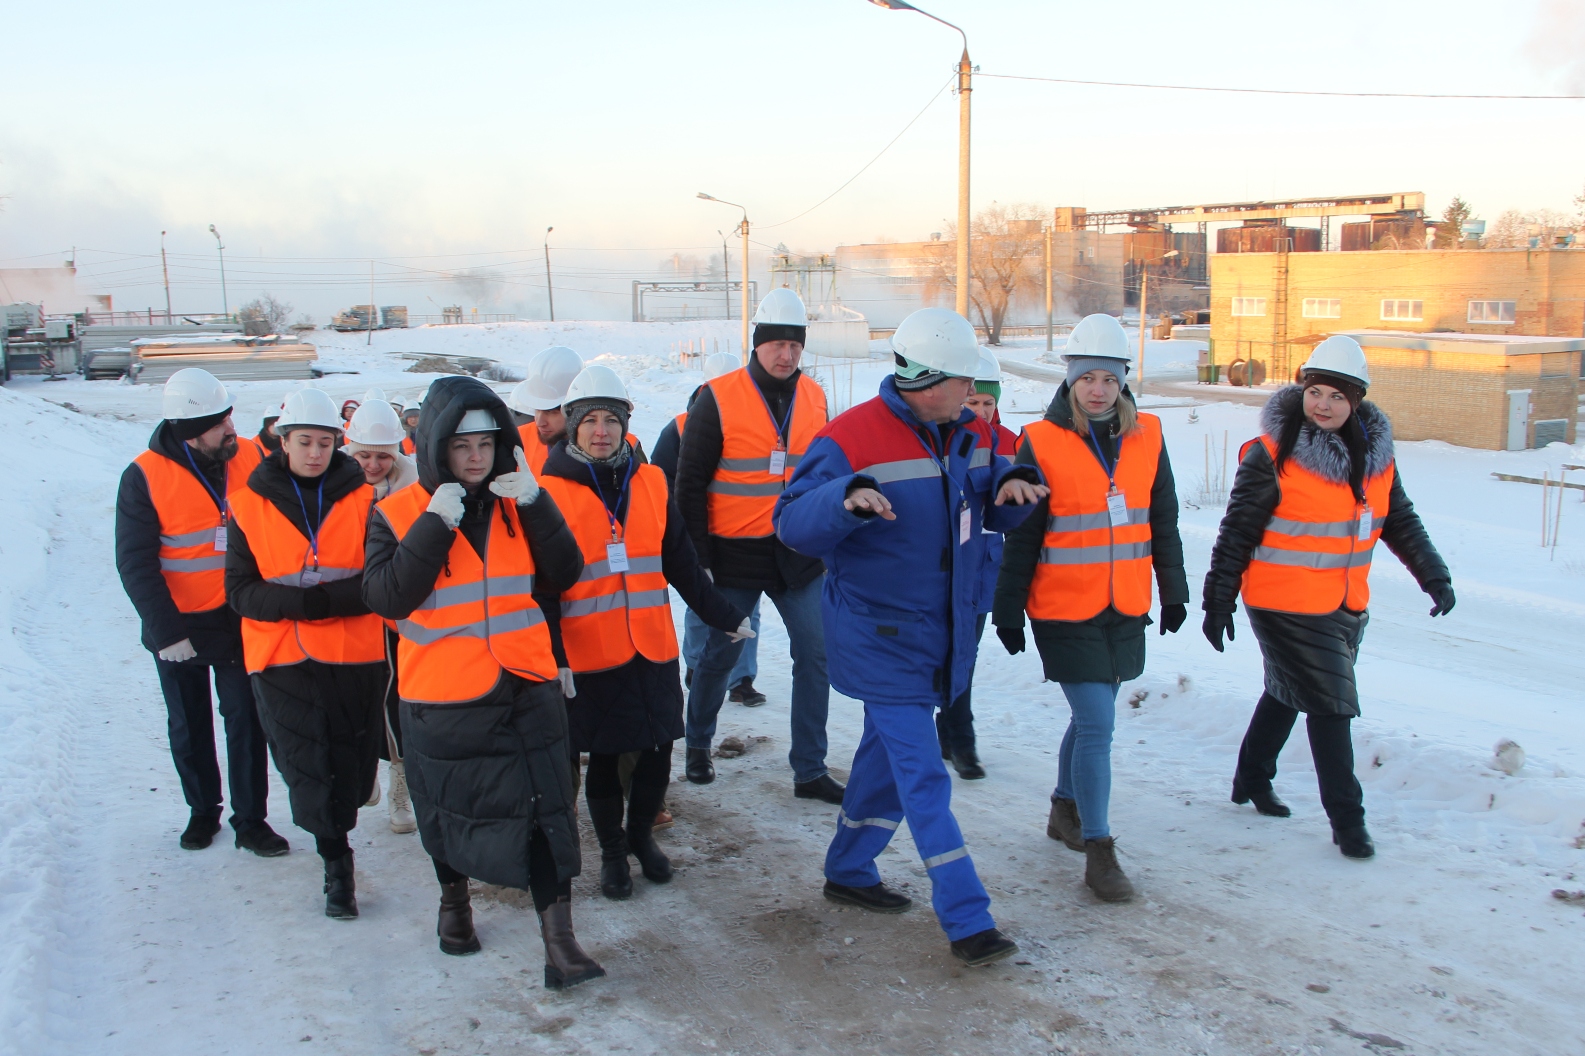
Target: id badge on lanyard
x,y
778,460
220,539
965,523
1366,522
616,556
310,577
1117,508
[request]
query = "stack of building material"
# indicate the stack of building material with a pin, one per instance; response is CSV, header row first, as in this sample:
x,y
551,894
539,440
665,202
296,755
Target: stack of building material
x,y
228,357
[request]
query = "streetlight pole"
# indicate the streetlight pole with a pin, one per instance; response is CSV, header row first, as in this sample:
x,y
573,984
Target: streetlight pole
x,y
726,275
743,227
965,87
549,293
166,272
225,305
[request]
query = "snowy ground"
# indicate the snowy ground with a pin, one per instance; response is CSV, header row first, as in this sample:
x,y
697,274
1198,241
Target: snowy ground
x,y
1252,934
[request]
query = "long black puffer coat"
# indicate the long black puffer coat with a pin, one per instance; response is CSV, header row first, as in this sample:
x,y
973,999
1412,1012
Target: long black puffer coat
x,y
637,706
484,773
1309,659
1109,646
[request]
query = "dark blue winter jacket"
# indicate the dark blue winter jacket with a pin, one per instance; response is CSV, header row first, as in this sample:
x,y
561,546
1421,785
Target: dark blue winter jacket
x,y
900,595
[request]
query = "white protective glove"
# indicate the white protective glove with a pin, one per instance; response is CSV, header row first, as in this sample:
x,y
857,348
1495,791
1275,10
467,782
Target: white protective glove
x,y
447,502
182,650
744,630
568,690
520,486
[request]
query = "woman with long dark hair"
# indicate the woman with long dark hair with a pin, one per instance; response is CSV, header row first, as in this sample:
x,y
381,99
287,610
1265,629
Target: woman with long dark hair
x,y
1313,495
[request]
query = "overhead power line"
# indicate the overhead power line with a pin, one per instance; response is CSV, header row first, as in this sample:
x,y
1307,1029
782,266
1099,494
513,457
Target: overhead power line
x,y
1267,91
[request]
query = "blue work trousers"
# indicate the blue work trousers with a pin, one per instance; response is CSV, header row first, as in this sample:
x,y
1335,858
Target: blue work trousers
x,y
190,715
694,633
1084,764
955,722
897,774
811,689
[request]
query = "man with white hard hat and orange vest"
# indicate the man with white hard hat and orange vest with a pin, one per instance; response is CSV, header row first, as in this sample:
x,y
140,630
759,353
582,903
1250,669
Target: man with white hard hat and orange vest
x,y
745,435
539,396
172,514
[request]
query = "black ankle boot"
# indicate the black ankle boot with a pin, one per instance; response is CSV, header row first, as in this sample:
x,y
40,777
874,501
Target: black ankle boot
x,y
1265,802
606,815
1354,841
700,770
644,800
454,924
341,902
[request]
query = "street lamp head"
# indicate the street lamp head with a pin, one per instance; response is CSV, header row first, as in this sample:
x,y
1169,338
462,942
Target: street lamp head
x,y
708,197
548,230
894,5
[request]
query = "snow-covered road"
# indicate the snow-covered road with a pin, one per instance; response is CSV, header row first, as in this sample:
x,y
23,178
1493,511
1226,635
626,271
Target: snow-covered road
x,y
1252,934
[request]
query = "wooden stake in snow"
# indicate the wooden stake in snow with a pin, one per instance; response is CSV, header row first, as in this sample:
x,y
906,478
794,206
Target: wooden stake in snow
x,y
1546,482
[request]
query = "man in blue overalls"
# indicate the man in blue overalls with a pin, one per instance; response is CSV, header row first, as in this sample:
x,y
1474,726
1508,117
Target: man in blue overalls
x,y
893,496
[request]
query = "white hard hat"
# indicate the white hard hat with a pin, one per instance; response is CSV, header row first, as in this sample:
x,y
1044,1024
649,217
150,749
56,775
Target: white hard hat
x,y
373,394
549,374
1099,336
412,406
990,368
597,383
720,363
936,340
781,307
1339,354
477,420
375,422
309,408
193,393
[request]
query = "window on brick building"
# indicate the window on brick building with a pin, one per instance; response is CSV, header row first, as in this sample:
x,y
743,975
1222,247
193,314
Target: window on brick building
x,y
1323,308
1498,312
1247,306
1413,311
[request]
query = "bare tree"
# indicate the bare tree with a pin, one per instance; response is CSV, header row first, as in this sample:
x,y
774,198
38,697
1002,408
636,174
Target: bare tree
x,y
265,315
1514,230
1005,259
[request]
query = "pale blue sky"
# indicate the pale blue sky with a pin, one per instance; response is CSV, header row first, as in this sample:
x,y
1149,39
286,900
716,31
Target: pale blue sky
x,y
398,130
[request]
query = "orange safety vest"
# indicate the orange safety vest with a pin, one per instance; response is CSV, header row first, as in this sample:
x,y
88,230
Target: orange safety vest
x,y
744,490
681,420
479,620
607,616
1313,558
284,556
1087,562
408,447
534,449
192,527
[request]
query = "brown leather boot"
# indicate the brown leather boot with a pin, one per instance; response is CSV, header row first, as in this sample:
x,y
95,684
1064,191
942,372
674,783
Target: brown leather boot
x,y
1064,824
1102,873
455,923
566,964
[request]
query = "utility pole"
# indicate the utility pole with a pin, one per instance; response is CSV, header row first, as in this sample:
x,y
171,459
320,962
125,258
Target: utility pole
x,y
225,305
550,295
745,298
726,273
1144,278
372,308
965,73
165,271
1048,287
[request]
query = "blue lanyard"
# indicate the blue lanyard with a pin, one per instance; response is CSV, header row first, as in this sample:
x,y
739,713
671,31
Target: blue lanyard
x,y
313,532
781,426
619,495
1111,474
225,508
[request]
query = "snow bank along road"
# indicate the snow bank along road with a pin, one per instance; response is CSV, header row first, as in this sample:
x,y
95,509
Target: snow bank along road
x,y
1252,935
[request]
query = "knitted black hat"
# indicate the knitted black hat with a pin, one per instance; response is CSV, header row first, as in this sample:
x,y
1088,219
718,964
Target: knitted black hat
x,y
764,332
193,428
1351,389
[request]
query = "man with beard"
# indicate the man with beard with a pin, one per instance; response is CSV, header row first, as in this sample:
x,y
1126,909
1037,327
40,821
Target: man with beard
x,y
172,513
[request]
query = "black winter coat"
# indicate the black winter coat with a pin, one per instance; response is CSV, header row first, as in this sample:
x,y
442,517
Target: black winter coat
x,y
751,564
1310,659
668,445
1109,646
215,634
246,590
639,705
485,773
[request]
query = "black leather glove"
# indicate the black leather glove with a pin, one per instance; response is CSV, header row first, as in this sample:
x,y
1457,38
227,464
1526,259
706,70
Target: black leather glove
x,y
316,604
1012,639
1172,617
1215,625
1441,592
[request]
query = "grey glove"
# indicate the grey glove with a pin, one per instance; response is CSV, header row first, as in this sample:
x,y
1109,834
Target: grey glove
x,y
568,688
744,630
447,503
521,486
182,650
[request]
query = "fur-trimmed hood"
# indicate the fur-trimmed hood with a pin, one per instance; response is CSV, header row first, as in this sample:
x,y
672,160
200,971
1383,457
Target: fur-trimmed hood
x,y
1323,453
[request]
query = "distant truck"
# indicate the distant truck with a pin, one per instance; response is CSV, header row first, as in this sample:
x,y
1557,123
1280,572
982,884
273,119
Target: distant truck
x,y
363,317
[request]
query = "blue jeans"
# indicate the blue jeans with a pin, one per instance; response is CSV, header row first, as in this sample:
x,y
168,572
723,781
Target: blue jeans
x,y
694,632
811,689
955,722
1084,765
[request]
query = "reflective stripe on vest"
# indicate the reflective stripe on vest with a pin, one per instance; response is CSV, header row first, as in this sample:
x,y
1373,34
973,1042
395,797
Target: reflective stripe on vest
x,y
1086,564
744,491
1311,559
194,571
480,617
609,617
283,554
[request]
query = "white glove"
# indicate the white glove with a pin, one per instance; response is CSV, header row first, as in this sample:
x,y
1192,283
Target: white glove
x,y
447,502
520,486
568,690
182,650
743,631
